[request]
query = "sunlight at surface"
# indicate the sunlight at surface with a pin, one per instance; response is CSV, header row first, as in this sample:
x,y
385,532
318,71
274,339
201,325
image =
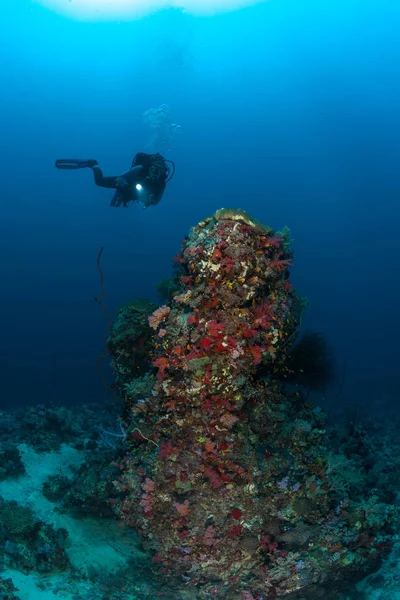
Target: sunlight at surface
x,y
128,9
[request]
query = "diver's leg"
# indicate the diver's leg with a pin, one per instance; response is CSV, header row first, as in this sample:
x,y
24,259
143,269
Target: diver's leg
x,y
106,182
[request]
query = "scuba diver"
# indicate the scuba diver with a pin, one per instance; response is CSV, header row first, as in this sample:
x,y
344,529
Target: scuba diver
x,y
144,182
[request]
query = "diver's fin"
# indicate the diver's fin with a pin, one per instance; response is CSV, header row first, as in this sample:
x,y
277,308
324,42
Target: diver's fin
x,y
75,163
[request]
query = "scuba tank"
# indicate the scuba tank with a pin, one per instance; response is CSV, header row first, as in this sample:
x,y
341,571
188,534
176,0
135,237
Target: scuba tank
x,y
157,169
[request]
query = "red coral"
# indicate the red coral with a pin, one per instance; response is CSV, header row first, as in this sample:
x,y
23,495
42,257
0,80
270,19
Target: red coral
x,y
227,264
161,364
209,536
186,280
206,342
216,255
215,329
184,476
158,558
166,449
256,352
279,264
220,347
183,533
235,530
231,342
192,319
177,350
148,485
178,258
214,478
183,509
287,286
266,544
263,315
228,419
209,446
193,251
273,242
207,404
212,303
145,501
249,333
236,514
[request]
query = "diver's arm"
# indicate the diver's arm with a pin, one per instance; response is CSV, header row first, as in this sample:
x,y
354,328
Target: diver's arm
x,y
125,179
124,185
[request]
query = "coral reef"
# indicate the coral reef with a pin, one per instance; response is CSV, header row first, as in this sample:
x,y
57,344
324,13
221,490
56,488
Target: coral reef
x,y
227,473
10,461
29,544
7,589
47,428
130,342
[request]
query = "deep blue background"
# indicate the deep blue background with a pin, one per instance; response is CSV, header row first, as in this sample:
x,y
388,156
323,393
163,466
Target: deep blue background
x,y
289,110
